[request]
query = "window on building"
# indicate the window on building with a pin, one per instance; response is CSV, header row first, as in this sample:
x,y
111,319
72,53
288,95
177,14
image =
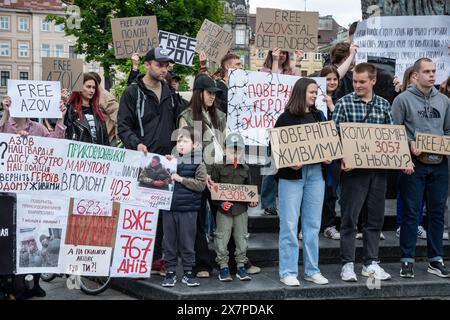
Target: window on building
x,y
45,50
304,73
23,75
240,35
59,27
24,49
317,56
5,49
4,76
4,22
72,52
305,56
261,54
45,25
24,24
59,50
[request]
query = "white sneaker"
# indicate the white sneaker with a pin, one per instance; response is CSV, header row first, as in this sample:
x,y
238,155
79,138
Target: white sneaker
x,y
358,236
290,281
332,233
348,272
317,278
445,236
300,236
397,233
421,233
376,271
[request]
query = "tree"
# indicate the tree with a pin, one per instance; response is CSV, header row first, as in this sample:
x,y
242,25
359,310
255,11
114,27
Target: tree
x,y
94,37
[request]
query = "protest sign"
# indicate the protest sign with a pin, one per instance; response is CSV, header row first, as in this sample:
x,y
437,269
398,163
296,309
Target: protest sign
x,y
234,192
69,72
181,48
406,39
375,146
7,234
256,100
287,30
305,144
34,99
432,143
213,40
134,34
155,187
41,226
136,232
89,242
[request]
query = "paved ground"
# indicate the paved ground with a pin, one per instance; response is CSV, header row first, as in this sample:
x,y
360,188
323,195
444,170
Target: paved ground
x,y
57,290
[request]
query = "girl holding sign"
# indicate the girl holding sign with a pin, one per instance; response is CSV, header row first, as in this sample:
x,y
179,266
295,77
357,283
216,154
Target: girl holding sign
x,y
84,120
278,61
300,187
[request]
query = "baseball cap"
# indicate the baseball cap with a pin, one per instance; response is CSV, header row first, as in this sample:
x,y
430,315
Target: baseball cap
x,y
158,54
205,82
234,140
174,76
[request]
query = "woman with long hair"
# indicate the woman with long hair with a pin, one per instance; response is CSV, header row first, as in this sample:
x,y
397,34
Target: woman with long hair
x,y
84,120
278,61
300,188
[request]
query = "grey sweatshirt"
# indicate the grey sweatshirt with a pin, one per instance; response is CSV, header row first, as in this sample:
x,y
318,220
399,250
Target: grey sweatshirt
x,y
422,114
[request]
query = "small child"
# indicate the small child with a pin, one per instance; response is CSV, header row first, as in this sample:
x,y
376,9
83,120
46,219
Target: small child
x,y
180,223
232,217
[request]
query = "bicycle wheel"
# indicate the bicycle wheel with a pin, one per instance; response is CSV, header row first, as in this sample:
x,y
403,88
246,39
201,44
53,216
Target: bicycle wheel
x,y
94,285
47,277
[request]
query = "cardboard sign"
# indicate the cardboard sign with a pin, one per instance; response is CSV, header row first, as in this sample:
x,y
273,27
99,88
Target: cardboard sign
x,y
213,40
256,100
234,192
432,143
69,72
305,144
375,146
287,30
181,48
406,39
134,34
34,99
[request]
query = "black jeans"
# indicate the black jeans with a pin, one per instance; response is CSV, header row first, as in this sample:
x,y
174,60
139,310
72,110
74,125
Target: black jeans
x,y
359,187
158,251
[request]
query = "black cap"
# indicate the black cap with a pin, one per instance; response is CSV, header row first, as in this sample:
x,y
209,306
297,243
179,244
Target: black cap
x,y
158,54
174,76
205,82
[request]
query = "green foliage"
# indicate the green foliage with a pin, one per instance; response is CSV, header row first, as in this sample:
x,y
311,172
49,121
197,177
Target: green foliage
x,y
94,38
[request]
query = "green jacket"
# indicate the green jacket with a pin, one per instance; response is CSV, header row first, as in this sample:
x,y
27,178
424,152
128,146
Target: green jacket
x,y
226,173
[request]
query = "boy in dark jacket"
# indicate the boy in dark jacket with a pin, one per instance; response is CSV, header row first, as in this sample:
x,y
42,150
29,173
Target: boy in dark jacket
x,y
232,216
180,223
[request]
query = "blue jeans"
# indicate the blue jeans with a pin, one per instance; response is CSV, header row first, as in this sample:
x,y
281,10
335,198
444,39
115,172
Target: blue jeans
x,y
431,180
307,194
269,192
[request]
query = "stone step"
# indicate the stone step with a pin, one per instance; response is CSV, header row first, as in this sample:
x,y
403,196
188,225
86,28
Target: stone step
x,y
263,249
266,286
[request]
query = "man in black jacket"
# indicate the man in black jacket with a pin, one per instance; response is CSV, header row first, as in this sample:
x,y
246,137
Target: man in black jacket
x,y
146,120
147,109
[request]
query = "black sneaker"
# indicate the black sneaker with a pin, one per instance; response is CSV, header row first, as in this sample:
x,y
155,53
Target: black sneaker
x,y
224,275
190,280
38,291
438,268
170,279
270,212
242,274
407,270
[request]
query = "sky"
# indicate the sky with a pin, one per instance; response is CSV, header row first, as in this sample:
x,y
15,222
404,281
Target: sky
x,y
343,11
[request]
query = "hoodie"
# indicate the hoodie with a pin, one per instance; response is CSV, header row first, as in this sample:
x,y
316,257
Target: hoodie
x,y
144,119
422,114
